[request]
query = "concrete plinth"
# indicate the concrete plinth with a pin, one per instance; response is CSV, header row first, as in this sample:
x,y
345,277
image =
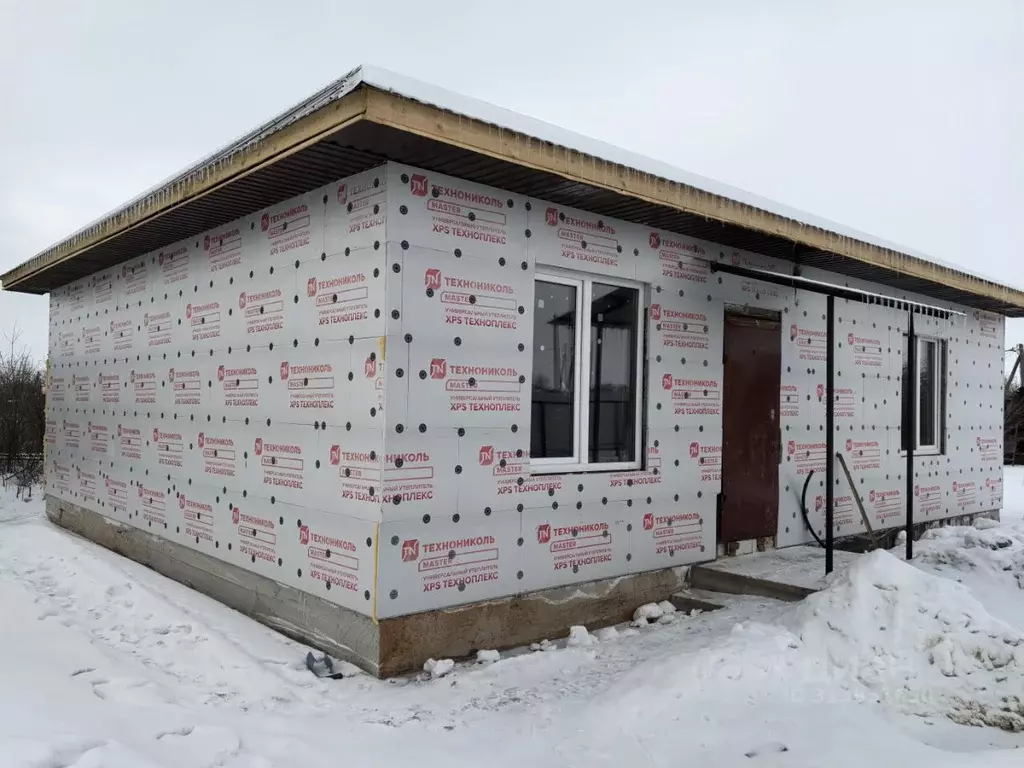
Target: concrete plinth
x,y
390,646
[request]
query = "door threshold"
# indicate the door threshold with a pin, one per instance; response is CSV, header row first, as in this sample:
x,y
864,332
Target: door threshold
x,y
745,546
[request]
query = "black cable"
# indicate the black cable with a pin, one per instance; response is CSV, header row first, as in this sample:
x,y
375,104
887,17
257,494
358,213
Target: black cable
x,y
803,510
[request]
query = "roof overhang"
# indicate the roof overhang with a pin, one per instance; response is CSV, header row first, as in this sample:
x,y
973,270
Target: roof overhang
x,y
361,121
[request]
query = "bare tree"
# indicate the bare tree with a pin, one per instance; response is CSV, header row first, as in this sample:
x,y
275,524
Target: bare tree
x,y
22,412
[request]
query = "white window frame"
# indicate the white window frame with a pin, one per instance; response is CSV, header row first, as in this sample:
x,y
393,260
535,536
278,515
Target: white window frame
x,y
579,461
939,377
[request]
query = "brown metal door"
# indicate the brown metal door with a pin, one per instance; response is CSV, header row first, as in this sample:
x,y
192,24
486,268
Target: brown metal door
x,y
750,428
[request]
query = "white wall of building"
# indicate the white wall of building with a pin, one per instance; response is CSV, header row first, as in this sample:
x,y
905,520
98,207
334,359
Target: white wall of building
x,y
336,393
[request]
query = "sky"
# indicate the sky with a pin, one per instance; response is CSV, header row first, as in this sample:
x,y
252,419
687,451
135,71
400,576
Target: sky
x,y
900,118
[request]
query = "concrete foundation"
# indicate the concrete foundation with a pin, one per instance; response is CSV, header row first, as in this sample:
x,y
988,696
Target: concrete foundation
x,y
304,617
386,647
793,573
406,642
887,539
389,647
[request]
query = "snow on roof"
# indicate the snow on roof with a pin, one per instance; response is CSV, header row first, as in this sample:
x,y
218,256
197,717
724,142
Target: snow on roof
x,y
483,111
476,109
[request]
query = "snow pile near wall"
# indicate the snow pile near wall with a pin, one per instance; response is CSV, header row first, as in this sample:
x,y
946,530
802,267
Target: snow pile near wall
x,y
1013,495
884,633
920,643
987,549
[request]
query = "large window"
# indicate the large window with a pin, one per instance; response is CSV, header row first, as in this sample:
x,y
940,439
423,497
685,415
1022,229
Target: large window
x,y
928,402
587,370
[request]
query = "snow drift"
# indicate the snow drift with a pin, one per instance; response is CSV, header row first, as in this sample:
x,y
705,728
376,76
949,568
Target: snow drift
x,y
882,631
920,643
984,549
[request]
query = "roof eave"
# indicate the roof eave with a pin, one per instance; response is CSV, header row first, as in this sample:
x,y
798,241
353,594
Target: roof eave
x,y
357,97
400,112
221,170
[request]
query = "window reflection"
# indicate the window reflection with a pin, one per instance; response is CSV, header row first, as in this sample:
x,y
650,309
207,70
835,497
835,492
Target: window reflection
x,y
554,371
613,361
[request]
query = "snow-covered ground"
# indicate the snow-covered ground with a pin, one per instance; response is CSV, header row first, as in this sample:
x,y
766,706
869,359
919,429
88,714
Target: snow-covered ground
x,y
105,663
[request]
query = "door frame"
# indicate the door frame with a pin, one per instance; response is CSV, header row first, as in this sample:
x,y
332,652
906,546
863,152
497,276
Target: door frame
x,y
755,316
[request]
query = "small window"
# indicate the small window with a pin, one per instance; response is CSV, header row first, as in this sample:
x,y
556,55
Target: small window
x,y
587,369
928,402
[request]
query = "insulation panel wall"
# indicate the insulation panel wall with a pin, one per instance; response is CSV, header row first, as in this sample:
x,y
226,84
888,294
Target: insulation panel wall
x,y
336,393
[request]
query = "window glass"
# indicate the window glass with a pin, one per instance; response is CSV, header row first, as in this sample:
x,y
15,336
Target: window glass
x,y
613,361
926,393
552,425
929,371
906,402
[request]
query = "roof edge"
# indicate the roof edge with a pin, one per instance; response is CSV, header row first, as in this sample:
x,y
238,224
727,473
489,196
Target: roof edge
x,y
421,109
483,111
392,108
340,104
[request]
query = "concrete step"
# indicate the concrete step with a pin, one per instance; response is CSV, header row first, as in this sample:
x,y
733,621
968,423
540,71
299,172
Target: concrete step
x,y
692,600
713,580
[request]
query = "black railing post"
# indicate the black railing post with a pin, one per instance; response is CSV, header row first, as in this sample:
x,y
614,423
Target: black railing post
x,y
830,407
911,390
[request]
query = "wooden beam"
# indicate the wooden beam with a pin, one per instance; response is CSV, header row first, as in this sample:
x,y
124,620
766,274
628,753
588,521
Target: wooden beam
x,y
857,498
299,135
396,111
